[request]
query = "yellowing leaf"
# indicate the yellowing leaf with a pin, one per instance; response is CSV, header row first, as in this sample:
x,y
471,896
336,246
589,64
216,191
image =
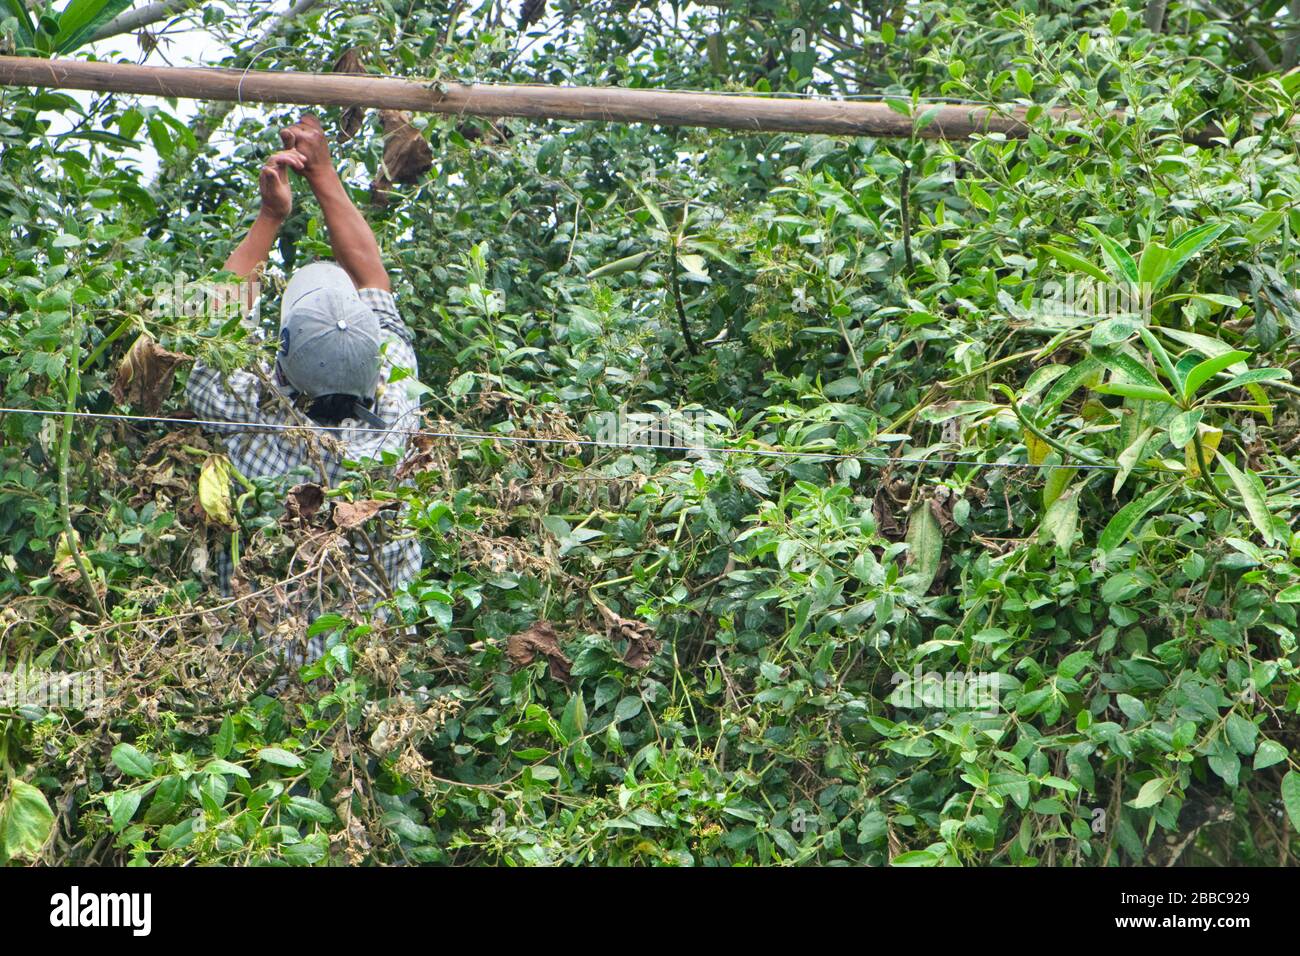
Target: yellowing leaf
x,y
214,490
1210,438
26,822
1036,448
1057,480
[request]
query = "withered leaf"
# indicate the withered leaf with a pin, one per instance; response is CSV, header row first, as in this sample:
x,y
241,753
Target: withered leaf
x,y
419,458
353,514
64,570
144,379
882,509
539,638
943,514
302,502
353,116
530,11
642,645
349,62
407,155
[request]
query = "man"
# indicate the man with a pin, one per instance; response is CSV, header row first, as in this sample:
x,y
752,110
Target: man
x,y
341,339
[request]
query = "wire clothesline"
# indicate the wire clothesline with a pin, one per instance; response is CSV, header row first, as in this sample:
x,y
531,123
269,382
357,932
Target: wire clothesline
x,y
467,436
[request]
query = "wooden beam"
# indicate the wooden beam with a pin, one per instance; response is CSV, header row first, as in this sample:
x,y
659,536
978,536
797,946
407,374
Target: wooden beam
x,y
601,104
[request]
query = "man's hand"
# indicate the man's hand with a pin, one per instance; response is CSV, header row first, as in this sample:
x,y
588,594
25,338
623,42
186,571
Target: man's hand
x,y
277,196
307,138
354,245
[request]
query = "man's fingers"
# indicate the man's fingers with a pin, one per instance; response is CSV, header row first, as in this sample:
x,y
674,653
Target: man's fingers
x,y
309,119
287,157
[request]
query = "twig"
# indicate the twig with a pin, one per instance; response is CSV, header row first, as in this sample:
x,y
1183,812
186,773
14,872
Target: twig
x,y
65,454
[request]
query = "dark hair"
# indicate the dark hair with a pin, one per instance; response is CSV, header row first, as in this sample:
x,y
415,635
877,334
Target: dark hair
x,y
329,410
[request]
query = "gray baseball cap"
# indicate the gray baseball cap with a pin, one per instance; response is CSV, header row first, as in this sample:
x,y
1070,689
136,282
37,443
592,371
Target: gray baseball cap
x,y
329,338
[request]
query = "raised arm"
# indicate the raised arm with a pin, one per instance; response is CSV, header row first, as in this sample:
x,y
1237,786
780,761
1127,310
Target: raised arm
x,y
277,203
235,398
354,244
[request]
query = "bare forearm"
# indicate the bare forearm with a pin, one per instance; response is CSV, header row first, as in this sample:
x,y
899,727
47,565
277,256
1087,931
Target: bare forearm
x,y
353,242
250,254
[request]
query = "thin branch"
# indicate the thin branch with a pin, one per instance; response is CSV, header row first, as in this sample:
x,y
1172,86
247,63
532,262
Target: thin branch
x,y
141,17
1155,15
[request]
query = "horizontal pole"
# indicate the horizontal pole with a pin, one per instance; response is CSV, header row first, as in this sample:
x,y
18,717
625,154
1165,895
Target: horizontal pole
x,y
601,104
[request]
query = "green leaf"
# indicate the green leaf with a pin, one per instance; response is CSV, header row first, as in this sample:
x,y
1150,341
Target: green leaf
x,y
1076,262
619,266
1152,792
574,719
122,806
925,547
655,212
1211,367
1289,595
306,853
1055,484
1122,362
1114,331
1207,346
1144,392
305,808
1250,378
1241,734
1066,386
1291,797
915,858
166,800
1129,457
1182,427
226,767
1185,247
1061,522
81,19
1253,496
26,821
319,770
224,741
1155,258
25,37
1263,227
1269,753
1123,522
281,758
1122,265
131,762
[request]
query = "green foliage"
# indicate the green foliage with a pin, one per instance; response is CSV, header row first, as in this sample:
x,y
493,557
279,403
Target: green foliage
x,y
1024,594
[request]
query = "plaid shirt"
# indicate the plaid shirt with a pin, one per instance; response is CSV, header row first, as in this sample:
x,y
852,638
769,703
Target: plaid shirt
x,y
244,398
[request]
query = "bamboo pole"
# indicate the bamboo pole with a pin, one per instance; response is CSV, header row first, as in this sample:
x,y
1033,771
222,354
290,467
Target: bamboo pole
x,y
602,104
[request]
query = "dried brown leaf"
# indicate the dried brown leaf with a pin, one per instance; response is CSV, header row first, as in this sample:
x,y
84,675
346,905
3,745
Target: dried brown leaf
x,y
349,62
302,502
886,522
942,511
407,155
530,11
353,514
144,379
539,638
642,645
419,458
353,116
